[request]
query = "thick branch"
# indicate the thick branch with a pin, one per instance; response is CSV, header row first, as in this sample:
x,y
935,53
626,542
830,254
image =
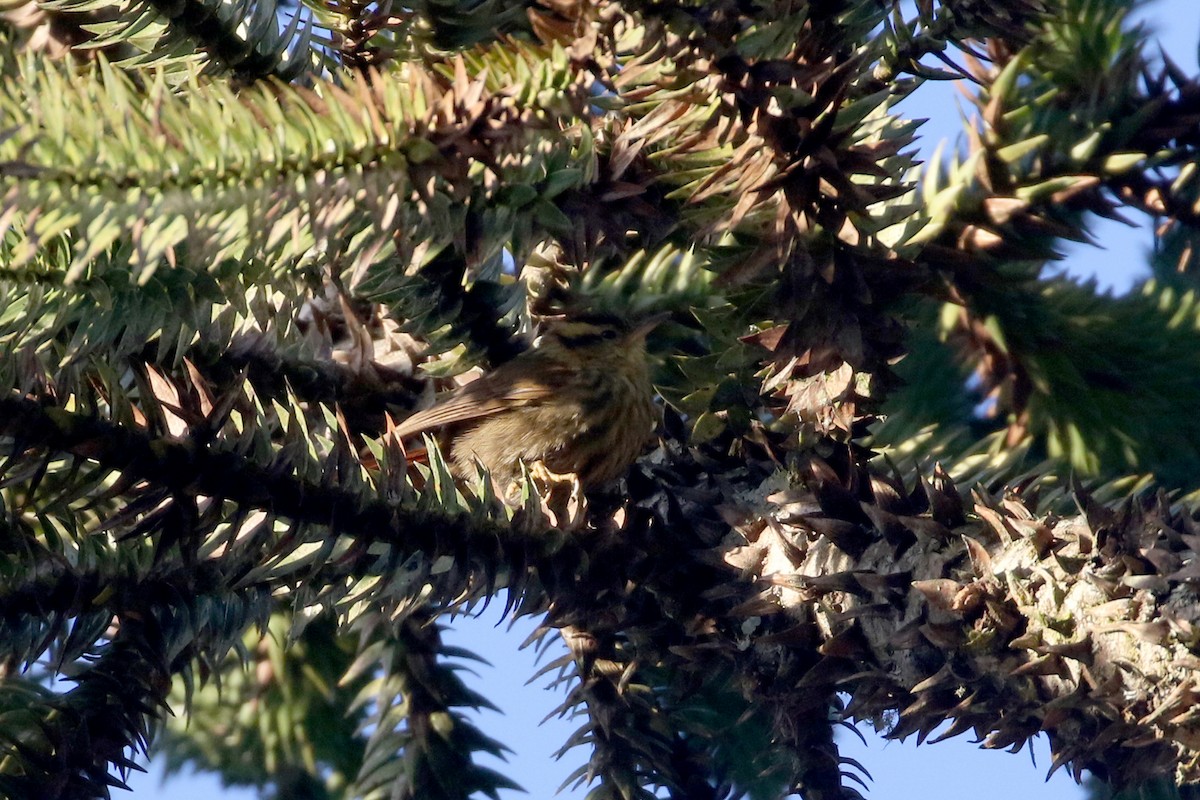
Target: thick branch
x,y
186,468
1085,628
68,745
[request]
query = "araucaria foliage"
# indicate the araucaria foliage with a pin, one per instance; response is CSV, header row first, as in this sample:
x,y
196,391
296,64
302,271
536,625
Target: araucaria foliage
x,y
906,472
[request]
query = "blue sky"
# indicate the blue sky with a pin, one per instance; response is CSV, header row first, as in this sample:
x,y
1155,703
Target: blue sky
x,y
900,770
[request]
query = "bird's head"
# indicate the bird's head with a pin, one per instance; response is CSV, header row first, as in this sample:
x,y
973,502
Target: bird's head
x,y
599,336
595,328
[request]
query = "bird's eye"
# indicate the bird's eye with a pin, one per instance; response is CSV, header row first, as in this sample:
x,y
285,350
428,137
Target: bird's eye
x,y
609,334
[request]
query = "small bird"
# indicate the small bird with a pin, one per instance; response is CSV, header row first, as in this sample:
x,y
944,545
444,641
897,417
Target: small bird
x,y
579,401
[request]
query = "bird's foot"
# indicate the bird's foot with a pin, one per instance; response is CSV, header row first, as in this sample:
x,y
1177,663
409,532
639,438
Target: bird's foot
x,y
561,494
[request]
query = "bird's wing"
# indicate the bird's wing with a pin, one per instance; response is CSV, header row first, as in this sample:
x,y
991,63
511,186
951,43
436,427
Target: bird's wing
x,y
490,394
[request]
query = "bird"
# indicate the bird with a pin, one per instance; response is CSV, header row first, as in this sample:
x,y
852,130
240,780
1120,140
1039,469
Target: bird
x,y
578,404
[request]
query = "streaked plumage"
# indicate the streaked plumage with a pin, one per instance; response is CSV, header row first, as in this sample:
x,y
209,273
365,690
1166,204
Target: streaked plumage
x,y
579,401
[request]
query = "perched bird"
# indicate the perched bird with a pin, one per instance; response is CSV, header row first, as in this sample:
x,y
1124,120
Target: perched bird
x,y
579,401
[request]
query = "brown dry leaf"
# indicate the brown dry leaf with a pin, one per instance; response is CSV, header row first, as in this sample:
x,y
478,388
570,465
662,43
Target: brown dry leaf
x,y
168,401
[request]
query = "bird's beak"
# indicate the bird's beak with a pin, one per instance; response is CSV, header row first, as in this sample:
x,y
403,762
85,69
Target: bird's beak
x,y
642,328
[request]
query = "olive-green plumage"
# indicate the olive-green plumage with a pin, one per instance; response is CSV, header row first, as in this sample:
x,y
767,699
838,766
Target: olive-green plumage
x,y
579,401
